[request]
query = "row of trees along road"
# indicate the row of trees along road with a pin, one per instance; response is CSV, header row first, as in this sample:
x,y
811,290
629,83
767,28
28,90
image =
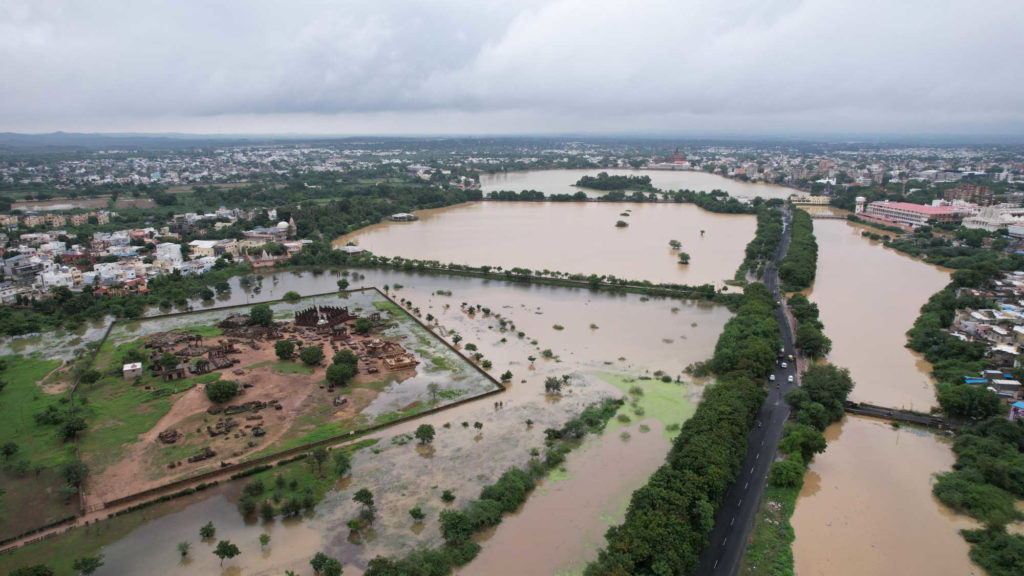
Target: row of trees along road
x,y
669,519
798,268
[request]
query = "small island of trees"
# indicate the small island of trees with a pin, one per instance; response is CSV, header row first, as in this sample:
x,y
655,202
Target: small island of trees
x,y
605,182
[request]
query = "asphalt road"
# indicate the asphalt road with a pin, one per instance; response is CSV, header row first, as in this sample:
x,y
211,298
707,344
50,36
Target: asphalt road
x,y
734,520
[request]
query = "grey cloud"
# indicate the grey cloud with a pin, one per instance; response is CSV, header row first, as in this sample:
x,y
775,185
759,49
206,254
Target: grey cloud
x,y
476,66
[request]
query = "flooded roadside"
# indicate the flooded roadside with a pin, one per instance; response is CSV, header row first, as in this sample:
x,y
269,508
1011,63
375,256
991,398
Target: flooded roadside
x,y
866,506
869,296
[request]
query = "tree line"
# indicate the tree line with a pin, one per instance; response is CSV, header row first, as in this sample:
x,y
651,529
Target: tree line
x,y
798,268
989,472
717,201
669,519
762,247
605,182
504,496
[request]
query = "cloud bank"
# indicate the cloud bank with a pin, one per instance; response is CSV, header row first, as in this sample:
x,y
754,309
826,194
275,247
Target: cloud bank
x,y
454,66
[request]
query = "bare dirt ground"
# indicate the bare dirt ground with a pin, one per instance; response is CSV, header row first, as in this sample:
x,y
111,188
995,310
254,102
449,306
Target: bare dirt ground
x,y
132,202
305,404
62,204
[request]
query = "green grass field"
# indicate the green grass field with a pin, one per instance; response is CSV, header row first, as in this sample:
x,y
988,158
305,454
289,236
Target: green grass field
x,y
770,551
666,402
20,400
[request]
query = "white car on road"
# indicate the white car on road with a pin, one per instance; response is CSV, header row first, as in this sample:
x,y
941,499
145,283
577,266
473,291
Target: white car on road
x,y
790,379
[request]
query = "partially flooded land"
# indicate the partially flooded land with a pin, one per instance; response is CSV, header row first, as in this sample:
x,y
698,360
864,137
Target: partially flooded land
x,y
571,237
299,407
866,506
606,342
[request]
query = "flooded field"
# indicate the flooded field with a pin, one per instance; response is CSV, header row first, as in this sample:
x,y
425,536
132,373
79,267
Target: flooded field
x,y
867,506
869,297
602,335
306,412
561,182
571,237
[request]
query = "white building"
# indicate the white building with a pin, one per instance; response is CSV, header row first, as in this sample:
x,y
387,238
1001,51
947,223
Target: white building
x,y
132,370
169,251
202,248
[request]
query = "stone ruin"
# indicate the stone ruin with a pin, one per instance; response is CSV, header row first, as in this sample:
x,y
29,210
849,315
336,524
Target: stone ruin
x,y
169,436
204,454
323,316
222,427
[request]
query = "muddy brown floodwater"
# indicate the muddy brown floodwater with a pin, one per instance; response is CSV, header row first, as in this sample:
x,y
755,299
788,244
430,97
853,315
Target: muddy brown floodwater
x,y
869,296
565,518
867,506
571,237
561,182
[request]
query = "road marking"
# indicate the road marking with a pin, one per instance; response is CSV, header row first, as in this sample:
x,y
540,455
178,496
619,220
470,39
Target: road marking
x,y
757,456
724,540
733,521
740,503
751,469
715,566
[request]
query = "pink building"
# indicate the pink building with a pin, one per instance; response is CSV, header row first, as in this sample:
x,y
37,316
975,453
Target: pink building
x,y
913,214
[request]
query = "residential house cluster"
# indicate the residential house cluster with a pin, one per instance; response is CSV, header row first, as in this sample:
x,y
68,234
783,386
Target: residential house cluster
x,y
1001,329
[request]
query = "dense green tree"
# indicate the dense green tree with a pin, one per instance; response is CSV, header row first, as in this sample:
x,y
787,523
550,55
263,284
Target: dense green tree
x,y
220,391
342,462
346,356
261,315
811,340
802,440
86,565
340,374
963,401
425,433
284,349
75,472
456,526
225,550
787,473
311,355
207,531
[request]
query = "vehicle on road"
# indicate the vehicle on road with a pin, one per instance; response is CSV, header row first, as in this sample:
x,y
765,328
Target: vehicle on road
x,y
790,379
771,378
784,365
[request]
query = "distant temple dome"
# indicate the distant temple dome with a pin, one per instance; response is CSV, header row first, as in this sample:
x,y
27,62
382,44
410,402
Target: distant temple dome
x,y
678,158
282,225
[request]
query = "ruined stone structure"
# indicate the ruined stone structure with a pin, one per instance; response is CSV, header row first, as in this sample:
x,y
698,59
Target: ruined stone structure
x,y
324,317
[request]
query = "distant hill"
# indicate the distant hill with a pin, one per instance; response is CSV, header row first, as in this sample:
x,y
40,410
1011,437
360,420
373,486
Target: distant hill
x,y
70,141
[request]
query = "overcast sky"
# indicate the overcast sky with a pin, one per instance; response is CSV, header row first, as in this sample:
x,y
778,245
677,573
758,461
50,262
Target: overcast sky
x,y
697,67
